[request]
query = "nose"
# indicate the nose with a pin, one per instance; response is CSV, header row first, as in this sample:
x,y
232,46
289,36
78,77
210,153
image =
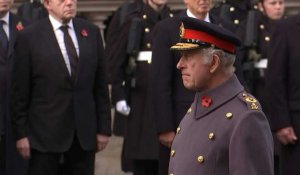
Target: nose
x,y
180,64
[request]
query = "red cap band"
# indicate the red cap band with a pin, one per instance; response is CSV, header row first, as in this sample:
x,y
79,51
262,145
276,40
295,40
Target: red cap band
x,y
205,37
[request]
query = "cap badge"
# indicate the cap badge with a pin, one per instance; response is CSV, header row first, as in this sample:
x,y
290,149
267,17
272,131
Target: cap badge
x,y
206,101
181,30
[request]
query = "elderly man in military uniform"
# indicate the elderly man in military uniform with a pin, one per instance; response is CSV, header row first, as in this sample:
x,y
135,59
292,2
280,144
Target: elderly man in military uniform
x,y
225,131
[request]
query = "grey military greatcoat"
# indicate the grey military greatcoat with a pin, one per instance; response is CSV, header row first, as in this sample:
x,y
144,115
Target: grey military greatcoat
x,y
224,132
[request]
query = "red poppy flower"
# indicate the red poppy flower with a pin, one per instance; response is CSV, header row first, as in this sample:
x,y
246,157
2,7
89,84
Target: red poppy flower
x,y
84,32
19,26
206,101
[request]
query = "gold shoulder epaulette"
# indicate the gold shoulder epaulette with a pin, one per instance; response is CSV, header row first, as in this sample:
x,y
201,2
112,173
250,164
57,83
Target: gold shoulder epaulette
x,y
251,102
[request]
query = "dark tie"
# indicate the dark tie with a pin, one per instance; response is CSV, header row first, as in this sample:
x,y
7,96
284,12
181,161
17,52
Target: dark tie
x,y
71,51
3,38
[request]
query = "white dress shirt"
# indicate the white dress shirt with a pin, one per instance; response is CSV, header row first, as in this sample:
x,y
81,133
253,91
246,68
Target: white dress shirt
x,y
60,39
6,24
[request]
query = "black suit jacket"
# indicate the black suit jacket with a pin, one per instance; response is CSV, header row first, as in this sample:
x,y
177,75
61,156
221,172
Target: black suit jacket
x,y
11,158
170,98
282,78
47,107
16,24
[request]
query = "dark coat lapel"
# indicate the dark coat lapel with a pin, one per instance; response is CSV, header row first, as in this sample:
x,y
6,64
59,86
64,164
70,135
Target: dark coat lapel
x,y
82,42
49,37
13,22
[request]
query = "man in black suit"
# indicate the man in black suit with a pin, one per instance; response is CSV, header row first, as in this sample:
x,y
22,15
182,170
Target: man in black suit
x,y
61,106
11,162
282,89
170,99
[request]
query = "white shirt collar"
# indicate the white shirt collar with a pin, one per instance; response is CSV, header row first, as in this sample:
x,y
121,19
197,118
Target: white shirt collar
x,y
56,24
6,18
191,15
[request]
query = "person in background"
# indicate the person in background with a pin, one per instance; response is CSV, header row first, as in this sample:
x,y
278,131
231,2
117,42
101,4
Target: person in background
x,y
235,11
32,11
130,71
282,82
10,26
60,99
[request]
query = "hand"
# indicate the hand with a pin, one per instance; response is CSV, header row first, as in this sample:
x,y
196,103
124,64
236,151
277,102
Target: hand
x,y
122,107
167,138
286,135
23,148
102,141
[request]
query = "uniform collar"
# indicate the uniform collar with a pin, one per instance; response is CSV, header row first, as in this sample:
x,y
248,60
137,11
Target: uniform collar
x,y
154,15
243,5
216,97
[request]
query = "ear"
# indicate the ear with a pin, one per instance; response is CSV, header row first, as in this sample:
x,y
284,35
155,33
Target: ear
x,y
46,4
215,63
261,7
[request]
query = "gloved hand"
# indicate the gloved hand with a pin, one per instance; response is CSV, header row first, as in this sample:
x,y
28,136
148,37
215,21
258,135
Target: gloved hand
x,y
122,107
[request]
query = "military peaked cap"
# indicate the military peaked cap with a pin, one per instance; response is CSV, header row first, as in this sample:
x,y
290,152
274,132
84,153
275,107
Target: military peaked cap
x,y
196,34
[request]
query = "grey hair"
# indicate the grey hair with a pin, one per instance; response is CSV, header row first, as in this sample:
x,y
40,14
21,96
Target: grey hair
x,y
226,59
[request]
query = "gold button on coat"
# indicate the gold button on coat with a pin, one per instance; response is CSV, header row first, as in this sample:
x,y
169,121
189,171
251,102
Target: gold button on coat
x,y
236,21
229,115
232,9
262,27
211,136
171,15
147,30
190,110
178,130
172,153
267,38
144,16
200,159
148,45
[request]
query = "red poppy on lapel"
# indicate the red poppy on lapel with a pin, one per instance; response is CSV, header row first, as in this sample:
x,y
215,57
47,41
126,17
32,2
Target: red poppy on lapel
x,y
19,26
84,32
206,101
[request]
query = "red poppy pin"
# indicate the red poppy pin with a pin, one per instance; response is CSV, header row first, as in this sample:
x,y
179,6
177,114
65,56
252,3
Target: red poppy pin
x,y
206,101
19,26
84,32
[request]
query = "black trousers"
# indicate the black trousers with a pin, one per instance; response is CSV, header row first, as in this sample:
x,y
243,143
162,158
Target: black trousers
x,y
164,157
145,167
76,161
2,155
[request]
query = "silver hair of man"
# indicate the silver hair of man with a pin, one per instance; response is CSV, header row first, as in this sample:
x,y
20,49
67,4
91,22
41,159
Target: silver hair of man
x,y
226,59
